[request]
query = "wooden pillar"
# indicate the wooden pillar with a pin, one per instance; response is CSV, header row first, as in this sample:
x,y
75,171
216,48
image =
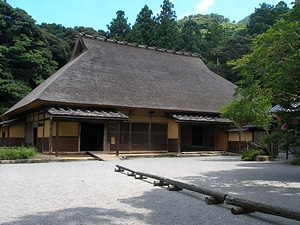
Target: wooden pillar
x,y
149,133
79,137
50,133
216,136
130,139
27,133
179,138
57,138
32,131
105,132
43,139
36,137
118,139
8,138
240,136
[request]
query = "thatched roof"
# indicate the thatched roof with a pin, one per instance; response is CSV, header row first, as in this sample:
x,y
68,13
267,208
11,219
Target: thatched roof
x,y
110,74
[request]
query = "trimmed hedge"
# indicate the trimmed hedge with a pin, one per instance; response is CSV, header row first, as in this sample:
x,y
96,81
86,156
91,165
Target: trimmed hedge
x,y
250,154
10,153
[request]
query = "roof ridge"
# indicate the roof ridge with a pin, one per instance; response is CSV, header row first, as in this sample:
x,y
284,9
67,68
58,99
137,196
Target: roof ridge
x,y
153,48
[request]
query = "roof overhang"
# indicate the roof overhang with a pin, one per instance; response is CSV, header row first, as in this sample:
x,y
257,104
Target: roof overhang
x,y
8,122
200,119
86,114
295,107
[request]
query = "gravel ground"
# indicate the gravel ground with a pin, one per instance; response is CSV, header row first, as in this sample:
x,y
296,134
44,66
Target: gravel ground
x,y
90,192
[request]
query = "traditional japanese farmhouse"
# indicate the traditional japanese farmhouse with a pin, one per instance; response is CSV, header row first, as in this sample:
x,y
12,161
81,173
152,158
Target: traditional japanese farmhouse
x,y
119,97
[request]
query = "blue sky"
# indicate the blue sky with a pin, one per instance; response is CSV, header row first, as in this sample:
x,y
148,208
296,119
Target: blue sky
x,y
99,13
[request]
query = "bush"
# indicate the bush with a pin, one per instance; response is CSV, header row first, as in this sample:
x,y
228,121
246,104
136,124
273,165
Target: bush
x,y
296,162
8,153
249,155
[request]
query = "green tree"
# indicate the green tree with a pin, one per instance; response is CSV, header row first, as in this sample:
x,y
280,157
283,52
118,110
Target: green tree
x,y
59,48
214,39
251,104
265,16
219,41
69,34
273,67
235,47
144,28
190,38
25,56
119,29
167,30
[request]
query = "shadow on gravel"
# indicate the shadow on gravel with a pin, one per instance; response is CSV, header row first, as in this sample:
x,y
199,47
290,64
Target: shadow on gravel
x,y
73,216
271,183
255,179
185,207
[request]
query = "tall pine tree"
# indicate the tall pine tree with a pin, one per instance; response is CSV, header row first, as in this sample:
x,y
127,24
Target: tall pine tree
x,y
167,29
119,29
190,37
144,28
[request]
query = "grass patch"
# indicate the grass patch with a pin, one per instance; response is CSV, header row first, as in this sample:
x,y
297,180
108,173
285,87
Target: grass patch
x,y
250,154
10,153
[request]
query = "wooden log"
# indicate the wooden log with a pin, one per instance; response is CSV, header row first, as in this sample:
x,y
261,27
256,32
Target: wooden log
x,y
160,183
155,177
240,210
130,174
119,170
122,168
173,188
140,177
263,208
212,200
186,186
243,205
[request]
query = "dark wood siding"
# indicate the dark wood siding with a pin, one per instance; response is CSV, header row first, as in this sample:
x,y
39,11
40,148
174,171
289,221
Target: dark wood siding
x,y
173,145
66,144
43,145
141,136
10,142
233,146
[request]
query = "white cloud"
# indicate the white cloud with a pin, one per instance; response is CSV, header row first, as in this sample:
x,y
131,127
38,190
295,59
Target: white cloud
x,y
204,5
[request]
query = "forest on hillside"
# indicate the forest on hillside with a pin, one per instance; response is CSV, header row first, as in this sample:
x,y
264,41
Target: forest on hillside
x,y
30,52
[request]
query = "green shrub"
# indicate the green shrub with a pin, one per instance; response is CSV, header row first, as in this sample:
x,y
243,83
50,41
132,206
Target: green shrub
x,y
296,161
8,153
250,154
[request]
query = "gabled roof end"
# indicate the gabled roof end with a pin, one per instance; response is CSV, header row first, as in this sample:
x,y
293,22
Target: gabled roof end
x,y
79,46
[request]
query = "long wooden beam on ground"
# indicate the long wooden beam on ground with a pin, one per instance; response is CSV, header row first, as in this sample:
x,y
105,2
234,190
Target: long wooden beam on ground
x,y
243,206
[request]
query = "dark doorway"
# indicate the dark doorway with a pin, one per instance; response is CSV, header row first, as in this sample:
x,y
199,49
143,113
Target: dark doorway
x,y
197,135
91,137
